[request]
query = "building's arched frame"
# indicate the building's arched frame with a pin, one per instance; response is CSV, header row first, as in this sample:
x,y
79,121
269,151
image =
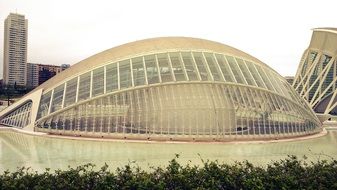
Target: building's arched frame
x,y
316,77
173,88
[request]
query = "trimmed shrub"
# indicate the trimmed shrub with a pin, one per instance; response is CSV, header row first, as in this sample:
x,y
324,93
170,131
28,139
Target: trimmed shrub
x,y
290,173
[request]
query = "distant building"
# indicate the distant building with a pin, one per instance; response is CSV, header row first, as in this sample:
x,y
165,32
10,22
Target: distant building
x,y
15,50
289,79
64,66
39,73
47,71
32,75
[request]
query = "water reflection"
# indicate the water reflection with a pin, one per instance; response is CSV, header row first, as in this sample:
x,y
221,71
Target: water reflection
x,y
18,150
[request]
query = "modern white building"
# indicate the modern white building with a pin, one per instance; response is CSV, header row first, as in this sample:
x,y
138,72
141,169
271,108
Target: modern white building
x,y
316,77
15,50
171,88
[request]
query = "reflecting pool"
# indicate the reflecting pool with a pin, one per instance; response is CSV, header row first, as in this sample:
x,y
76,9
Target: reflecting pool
x,y
17,150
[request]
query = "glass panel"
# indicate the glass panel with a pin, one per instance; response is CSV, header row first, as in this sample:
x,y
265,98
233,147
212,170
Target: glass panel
x,y
224,68
289,91
199,61
98,81
324,60
138,71
213,67
312,57
190,66
125,74
151,69
57,98
84,87
164,67
264,78
71,89
44,105
245,72
255,74
236,71
111,77
276,83
177,67
329,77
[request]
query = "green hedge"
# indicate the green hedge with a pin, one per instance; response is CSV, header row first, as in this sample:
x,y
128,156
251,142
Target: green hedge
x,y
290,173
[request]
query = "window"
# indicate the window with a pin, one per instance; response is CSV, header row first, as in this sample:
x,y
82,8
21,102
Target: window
x,y
151,69
177,66
245,72
199,61
98,81
255,74
84,87
71,88
125,74
213,66
264,78
164,67
44,105
236,70
138,71
57,98
189,66
111,77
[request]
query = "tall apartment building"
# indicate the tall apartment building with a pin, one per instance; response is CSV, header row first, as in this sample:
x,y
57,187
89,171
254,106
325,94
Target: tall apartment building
x,y
39,73
15,50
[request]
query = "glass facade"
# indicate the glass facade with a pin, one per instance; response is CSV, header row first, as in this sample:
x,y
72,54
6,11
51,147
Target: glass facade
x,y
84,86
57,98
98,82
177,95
316,80
19,118
71,88
186,110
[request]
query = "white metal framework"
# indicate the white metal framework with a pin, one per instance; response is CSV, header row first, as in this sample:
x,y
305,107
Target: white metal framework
x,y
316,78
18,118
176,93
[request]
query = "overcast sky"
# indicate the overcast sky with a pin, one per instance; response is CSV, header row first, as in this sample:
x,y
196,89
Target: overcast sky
x,y
65,31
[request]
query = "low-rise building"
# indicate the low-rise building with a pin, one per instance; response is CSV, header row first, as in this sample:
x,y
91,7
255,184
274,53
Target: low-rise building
x,y
39,73
289,79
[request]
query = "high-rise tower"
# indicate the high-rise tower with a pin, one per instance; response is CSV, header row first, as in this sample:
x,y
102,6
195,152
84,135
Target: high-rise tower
x,y
15,50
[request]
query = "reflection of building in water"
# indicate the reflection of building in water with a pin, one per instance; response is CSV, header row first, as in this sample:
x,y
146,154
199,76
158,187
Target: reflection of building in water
x,y
40,152
23,146
169,89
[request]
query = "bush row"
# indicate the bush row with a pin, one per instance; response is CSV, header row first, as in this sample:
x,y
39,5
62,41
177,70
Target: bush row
x,y
289,173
